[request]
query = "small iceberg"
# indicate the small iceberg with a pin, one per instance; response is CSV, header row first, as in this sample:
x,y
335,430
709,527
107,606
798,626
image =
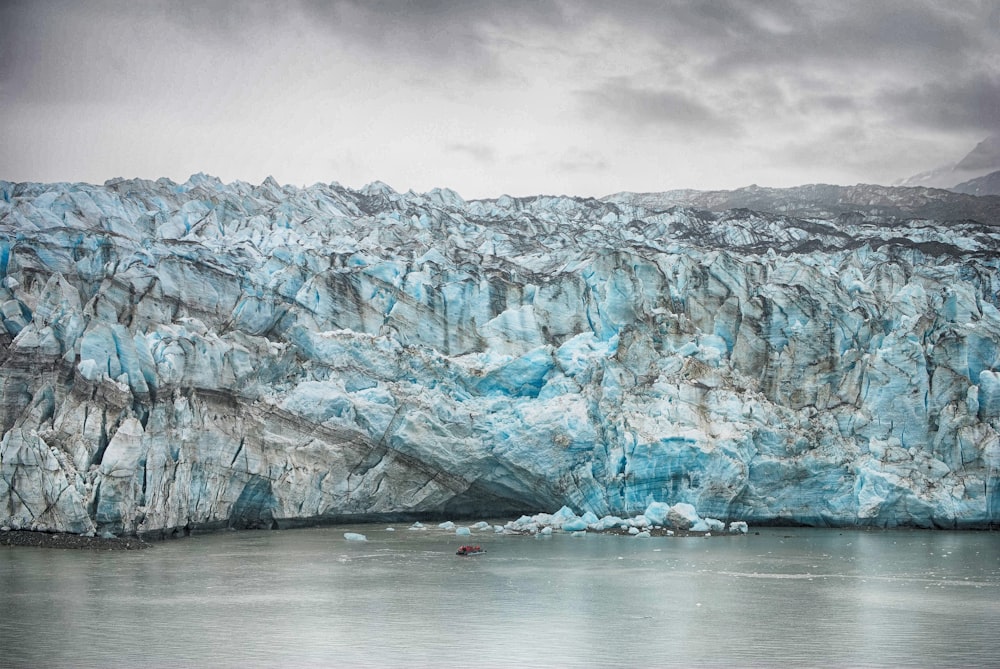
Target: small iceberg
x,y
738,527
575,525
659,519
354,536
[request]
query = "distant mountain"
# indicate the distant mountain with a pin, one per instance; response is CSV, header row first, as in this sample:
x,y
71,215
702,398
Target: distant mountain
x,y
987,185
939,177
986,156
826,201
982,160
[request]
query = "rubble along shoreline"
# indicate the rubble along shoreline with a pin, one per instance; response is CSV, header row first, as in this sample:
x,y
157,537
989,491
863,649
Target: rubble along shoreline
x,y
64,540
71,541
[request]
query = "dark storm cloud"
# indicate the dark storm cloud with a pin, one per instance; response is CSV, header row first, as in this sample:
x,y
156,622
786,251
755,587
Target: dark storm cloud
x,y
629,104
875,35
734,35
723,66
964,101
451,34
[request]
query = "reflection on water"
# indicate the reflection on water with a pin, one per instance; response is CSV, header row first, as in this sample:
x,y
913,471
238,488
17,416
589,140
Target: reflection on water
x,y
309,598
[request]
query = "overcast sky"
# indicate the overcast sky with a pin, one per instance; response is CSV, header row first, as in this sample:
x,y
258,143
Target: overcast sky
x,y
577,97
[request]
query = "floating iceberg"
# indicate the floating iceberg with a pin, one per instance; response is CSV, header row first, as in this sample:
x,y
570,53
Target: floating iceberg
x,y
681,516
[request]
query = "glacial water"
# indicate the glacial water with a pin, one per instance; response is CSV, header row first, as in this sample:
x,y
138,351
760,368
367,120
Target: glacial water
x,y
785,597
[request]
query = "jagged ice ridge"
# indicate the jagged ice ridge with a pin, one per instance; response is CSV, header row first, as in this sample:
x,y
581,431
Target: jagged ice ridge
x,y
208,355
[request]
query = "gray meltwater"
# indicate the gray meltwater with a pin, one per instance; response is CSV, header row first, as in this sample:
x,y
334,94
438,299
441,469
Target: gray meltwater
x,y
786,597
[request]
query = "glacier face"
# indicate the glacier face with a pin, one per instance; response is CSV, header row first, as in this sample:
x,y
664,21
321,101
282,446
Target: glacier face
x,y
209,354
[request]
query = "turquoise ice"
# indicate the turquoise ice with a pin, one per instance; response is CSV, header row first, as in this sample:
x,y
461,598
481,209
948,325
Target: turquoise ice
x,y
210,355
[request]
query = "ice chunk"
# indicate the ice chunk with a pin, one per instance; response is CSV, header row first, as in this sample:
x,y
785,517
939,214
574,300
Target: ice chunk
x,y
463,531
656,512
575,525
715,525
562,515
447,525
354,536
607,522
738,527
683,516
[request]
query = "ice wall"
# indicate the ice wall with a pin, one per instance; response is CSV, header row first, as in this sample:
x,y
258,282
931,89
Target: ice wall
x,y
203,354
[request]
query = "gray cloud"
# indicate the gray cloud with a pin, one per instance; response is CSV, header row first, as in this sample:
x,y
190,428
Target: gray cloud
x,y
733,35
834,102
434,91
456,35
482,153
102,52
582,160
733,66
966,102
622,101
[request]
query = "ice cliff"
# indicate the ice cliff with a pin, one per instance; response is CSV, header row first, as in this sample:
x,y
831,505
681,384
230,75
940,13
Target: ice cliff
x,y
209,354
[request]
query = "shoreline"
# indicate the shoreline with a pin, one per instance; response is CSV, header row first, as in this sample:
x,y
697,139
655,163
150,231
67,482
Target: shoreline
x,y
63,540
71,541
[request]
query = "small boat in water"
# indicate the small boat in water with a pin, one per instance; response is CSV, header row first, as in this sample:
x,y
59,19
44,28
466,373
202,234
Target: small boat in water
x,y
470,550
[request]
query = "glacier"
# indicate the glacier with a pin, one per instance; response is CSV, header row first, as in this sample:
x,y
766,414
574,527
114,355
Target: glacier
x,y
209,355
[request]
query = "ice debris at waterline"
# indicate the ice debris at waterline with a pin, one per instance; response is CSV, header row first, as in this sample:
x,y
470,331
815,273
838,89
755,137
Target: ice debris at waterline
x,y
211,355
657,516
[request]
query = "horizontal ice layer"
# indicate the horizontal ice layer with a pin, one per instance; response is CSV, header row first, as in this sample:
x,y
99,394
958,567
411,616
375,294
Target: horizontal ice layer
x,y
208,354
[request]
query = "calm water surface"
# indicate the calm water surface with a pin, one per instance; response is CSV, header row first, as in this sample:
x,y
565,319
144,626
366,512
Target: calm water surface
x,y
790,597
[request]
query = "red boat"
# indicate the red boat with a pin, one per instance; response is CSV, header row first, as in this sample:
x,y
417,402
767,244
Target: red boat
x,y
470,550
